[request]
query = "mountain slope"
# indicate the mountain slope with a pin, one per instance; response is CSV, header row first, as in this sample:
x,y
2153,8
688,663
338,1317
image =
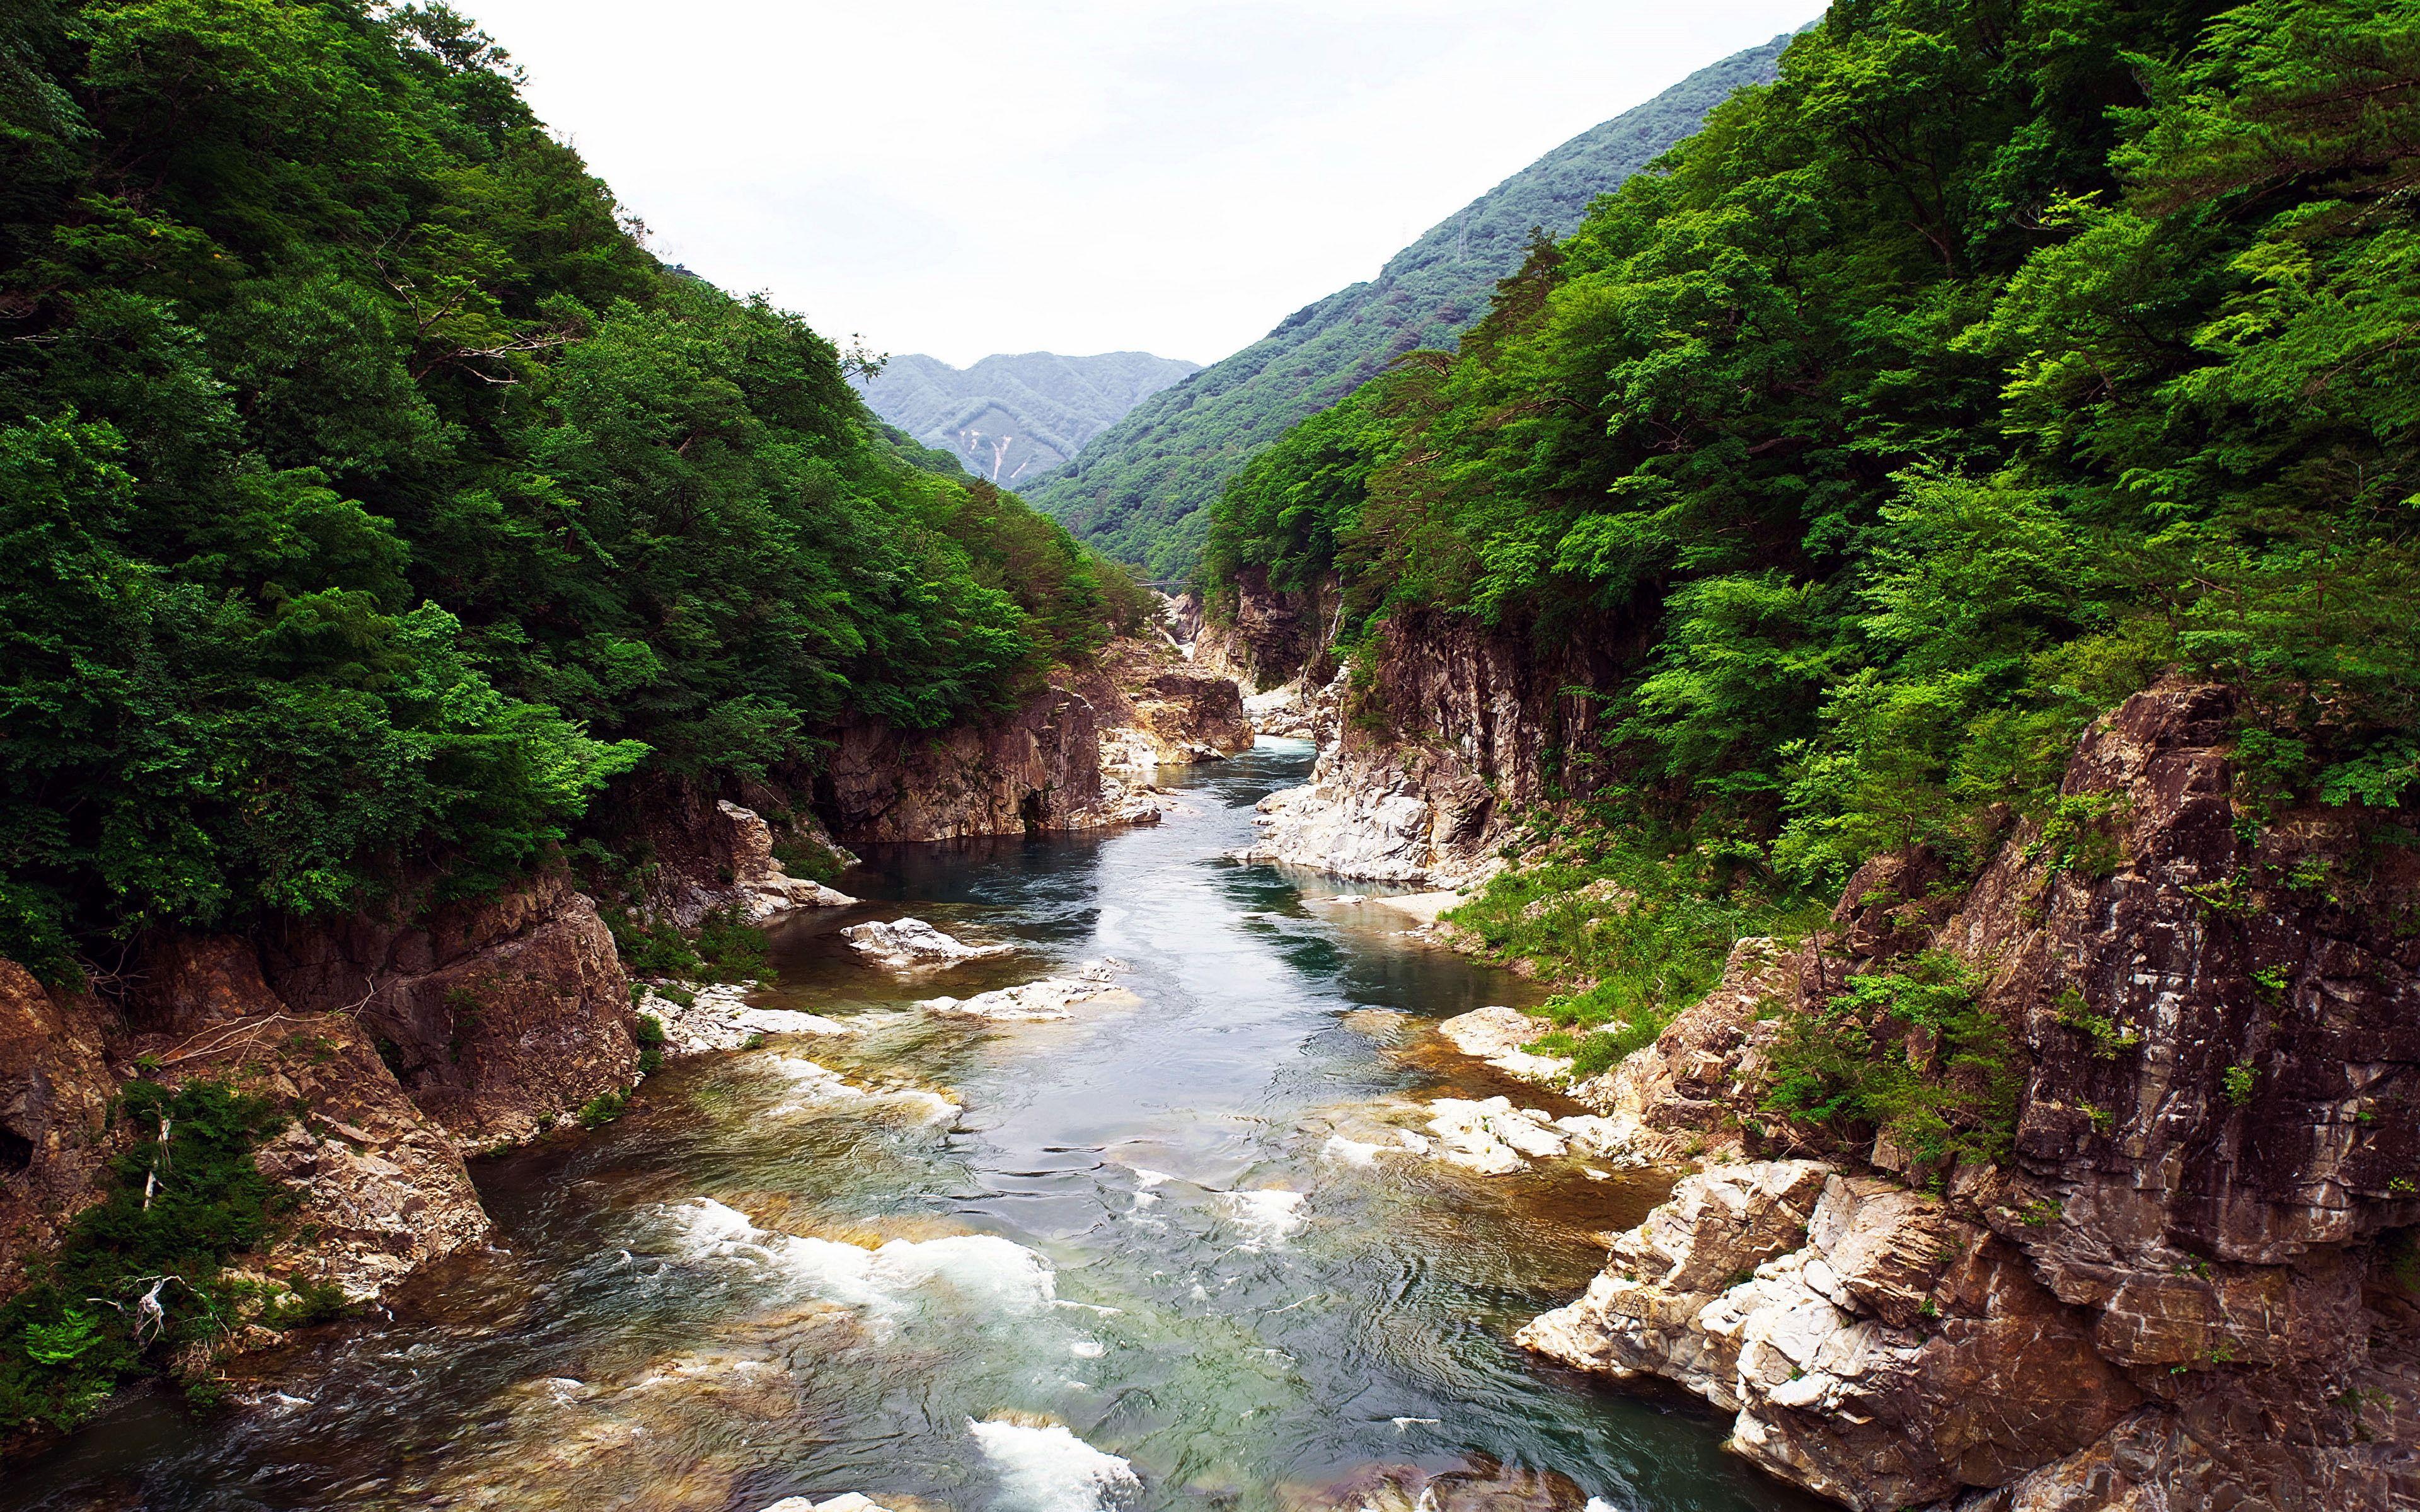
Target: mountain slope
x,y
1012,418
1139,491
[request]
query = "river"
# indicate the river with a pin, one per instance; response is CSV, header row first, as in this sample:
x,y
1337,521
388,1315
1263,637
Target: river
x,y
1153,1257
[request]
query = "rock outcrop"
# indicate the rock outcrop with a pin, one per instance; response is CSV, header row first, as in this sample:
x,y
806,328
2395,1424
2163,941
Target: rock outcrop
x,y
383,1189
1876,1351
1183,713
1034,771
2193,1282
713,855
1453,731
56,1087
500,1014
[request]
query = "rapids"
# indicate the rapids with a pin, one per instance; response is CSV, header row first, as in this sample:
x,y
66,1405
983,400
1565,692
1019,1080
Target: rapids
x,y
1181,1253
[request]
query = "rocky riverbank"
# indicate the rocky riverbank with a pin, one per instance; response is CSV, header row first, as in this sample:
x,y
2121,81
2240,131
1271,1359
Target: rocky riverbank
x,y
2192,1281
406,1036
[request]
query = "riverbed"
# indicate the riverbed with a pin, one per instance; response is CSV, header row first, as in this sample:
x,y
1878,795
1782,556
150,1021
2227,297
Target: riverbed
x,y
1172,1252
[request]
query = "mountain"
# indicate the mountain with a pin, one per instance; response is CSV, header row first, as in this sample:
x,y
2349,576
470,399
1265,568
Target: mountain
x,y
1011,419
1141,490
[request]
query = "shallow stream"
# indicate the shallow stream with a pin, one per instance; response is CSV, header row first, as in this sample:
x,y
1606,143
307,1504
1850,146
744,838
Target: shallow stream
x,y
1165,1254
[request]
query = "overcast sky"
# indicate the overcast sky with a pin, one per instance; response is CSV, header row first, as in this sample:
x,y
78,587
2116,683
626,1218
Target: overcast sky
x,y
1079,176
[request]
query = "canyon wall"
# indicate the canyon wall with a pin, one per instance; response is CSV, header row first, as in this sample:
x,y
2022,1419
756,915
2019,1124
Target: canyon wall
x,y
1041,767
1450,733
2193,1280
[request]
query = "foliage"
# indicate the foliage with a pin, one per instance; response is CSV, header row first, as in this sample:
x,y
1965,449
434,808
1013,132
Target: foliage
x,y
1637,922
1998,359
1141,489
182,1200
371,498
1910,1054
651,1037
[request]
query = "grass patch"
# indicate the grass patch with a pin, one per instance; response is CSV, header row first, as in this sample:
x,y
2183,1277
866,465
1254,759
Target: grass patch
x,y
1637,925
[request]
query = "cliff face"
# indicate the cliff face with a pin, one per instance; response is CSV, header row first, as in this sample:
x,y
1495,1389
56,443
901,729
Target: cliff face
x,y
1040,768
1447,739
2193,1283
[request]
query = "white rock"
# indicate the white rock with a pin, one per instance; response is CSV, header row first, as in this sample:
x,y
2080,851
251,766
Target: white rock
x,y
910,945
1492,1137
718,1017
1051,997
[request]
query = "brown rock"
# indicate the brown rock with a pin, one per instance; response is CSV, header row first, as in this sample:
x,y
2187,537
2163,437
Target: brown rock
x,y
383,1189
55,1092
1034,771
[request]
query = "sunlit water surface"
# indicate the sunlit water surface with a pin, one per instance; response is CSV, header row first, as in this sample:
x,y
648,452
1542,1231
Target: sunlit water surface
x,y
1154,1256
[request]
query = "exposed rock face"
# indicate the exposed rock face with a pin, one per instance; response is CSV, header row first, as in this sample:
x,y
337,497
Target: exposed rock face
x,y
1271,636
1183,713
1035,770
2191,1286
55,1090
713,855
397,1044
1453,735
1076,756
500,1013
383,1190
1833,1313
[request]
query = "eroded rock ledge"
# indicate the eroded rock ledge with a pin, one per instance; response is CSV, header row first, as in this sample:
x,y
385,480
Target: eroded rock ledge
x,y
2193,1285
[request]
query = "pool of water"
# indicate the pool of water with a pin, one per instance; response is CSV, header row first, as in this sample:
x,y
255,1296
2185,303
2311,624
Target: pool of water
x,y
1165,1254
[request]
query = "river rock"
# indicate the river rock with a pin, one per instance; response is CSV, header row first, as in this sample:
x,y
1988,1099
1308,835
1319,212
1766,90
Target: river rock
x,y
913,944
1051,997
764,889
847,1501
1497,1036
1492,1136
718,1017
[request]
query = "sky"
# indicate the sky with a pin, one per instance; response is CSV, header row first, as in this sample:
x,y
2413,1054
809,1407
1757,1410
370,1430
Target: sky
x,y
1079,176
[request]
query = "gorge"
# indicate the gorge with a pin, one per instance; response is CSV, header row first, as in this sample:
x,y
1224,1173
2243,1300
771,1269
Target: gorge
x,y
1789,877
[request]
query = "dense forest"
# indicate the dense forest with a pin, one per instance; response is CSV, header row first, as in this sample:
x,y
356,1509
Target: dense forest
x,y
370,498
2000,359
1142,490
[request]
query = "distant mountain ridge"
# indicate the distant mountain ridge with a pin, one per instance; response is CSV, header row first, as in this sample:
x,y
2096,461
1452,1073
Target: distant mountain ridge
x,y
1012,418
1141,491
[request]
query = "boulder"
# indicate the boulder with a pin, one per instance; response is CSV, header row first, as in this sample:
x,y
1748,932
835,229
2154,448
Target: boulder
x,y
913,944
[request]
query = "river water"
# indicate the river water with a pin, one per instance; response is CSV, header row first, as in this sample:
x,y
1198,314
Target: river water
x,y
1159,1256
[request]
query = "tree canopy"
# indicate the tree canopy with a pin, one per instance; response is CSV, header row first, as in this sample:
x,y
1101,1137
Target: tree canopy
x,y
370,498
2000,356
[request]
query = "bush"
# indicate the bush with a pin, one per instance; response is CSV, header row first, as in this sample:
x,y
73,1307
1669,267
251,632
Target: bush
x,y
139,1275
1909,1052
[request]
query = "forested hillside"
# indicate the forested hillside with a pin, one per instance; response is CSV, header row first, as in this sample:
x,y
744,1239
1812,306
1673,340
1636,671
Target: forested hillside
x,y
1999,360
369,498
1141,490
1011,419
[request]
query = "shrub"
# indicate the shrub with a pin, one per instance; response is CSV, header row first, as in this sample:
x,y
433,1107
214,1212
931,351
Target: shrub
x,y
139,1275
1909,1053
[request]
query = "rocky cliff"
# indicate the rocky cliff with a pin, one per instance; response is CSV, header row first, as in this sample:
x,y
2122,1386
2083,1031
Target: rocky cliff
x,y
2191,1282
1073,756
1447,732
